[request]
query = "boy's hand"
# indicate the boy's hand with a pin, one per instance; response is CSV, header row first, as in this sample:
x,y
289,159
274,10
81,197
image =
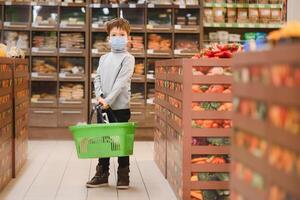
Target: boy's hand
x,y
103,103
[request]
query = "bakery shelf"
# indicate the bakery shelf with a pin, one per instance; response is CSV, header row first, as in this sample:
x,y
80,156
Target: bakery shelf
x,y
186,6
9,3
242,5
242,25
66,4
39,115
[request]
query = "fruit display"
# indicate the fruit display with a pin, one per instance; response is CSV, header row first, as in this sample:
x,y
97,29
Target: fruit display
x,y
269,130
207,123
212,106
290,31
225,89
209,128
249,176
159,42
253,144
71,91
72,40
210,194
219,51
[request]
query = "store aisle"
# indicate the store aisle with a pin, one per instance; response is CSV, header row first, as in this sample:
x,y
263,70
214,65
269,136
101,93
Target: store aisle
x,y
53,172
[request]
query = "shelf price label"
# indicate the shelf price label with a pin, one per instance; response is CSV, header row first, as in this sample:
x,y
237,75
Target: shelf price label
x,y
64,4
182,6
51,4
95,51
177,51
114,5
33,3
95,25
7,24
150,51
96,5
62,75
132,5
151,5
8,3
178,27
149,26
34,75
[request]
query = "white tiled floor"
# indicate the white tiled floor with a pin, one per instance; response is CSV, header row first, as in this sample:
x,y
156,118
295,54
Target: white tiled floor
x,y
53,172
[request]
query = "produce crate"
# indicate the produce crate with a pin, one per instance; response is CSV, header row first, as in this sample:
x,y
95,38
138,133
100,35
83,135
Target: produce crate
x,y
265,150
6,116
193,126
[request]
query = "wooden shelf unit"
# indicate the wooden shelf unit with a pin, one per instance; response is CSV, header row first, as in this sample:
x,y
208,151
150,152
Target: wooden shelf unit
x,y
274,179
174,131
13,117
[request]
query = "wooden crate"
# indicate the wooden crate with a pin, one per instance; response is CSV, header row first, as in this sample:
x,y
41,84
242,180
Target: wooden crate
x,y
258,84
174,99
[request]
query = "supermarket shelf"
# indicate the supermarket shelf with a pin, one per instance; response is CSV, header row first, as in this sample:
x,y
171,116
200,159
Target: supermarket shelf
x,y
247,191
221,79
5,106
210,167
6,75
186,6
5,91
212,97
210,185
247,124
49,28
211,132
159,127
174,78
211,115
72,4
219,150
8,3
174,125
242,25
256,164
150,5
159,89
242,5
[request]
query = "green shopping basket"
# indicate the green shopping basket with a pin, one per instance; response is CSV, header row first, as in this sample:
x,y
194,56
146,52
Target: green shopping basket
x,y
103,140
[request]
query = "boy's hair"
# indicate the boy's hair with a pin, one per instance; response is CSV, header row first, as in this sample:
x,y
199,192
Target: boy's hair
x,y
119,23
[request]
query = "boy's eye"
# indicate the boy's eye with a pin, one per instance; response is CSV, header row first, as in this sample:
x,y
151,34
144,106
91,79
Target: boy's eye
x,y
113,34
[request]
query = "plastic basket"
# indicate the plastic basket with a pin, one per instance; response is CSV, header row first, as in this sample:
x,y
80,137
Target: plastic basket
x,y
104,140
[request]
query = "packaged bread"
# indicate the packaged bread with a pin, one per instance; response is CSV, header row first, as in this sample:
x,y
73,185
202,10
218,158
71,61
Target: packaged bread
x,y
263,1
208,15
275,15
231,15
219,15
242,15
264,15
253,15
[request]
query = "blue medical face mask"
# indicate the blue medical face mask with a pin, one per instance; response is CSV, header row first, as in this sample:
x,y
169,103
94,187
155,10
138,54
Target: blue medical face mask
x,y
118,43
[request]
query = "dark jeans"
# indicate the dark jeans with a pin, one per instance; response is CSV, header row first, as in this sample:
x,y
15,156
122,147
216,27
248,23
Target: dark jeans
x,y
121,116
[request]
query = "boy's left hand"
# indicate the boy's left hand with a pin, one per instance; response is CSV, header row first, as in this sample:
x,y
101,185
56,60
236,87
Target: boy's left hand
x,y
103,103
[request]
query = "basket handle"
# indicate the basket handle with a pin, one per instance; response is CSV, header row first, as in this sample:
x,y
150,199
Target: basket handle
x,y
100,118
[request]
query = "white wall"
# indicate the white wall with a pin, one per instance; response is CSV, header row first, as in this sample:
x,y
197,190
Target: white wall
x,y
293,10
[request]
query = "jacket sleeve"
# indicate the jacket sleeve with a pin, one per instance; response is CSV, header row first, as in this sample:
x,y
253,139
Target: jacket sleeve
x,y
123,78
97,80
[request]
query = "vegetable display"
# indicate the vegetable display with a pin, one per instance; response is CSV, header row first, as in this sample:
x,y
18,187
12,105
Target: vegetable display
x,y
219,51
225,89
210,195
211,71
210,141
207,123
212,106
210,159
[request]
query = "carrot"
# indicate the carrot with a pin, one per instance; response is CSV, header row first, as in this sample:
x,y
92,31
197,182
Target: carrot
x,y
199,122
222,108
194,178
218,161
195,160
196,195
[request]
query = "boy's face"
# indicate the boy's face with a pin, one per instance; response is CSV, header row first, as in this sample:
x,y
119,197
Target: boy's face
x,y
118,32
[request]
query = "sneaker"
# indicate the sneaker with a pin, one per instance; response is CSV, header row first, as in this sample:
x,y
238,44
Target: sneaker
x,y
99,180
123,178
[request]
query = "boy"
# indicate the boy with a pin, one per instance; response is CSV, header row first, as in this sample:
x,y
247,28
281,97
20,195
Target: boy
x,y
112,88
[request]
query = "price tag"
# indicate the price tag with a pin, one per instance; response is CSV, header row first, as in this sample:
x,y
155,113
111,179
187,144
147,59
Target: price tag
x,y
64,4
95,25
149,26
7,23
242,25
151,5
62,50
62,75
182,6
34,75
132,5
229,25
8,3
34,100
52,4
150,51
177,51
95,51
33,3
34,49
97,5
178,27
251,26
114,5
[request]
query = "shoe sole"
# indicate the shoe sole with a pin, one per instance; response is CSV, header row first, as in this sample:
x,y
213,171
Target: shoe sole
x,y
123,187
96,186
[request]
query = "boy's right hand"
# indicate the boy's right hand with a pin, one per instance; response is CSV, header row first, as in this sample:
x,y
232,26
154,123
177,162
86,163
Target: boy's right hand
x,y
102,102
